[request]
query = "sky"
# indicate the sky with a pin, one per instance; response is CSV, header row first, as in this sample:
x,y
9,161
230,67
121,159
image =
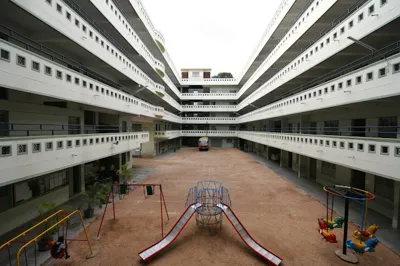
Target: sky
x,y
217,34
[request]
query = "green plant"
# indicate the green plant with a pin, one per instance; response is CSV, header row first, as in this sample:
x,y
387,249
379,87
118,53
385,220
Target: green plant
x,y
94,195
43,209
126,173
159,94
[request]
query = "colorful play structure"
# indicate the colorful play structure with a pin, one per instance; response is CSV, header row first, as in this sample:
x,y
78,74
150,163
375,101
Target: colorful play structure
x,y
364,240
148,190
62,218
208,200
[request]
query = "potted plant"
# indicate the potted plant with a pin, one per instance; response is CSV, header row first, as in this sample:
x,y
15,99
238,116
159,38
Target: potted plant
x,y
93,196
127,177
43,209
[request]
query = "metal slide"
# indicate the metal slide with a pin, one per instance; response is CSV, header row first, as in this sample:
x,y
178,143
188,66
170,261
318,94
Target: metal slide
x,y
172,234
246,237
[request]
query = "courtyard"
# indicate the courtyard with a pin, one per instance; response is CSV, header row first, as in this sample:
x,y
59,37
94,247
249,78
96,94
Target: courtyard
x,y
277,214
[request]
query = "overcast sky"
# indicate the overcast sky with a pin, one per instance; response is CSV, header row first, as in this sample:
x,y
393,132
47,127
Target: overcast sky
x,y
217,34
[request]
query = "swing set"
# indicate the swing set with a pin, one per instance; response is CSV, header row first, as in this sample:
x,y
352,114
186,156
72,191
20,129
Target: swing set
x,y
365,241
148,190
62,221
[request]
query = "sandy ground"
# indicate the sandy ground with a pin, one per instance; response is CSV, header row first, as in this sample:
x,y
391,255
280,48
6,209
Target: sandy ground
x,y
276,214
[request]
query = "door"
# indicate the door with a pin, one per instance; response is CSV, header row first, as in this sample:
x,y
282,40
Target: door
x,y
290,160
358,127
358,179
313,169
4,130
76,173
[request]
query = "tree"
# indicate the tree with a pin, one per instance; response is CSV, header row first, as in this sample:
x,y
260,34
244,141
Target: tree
x,y
223,75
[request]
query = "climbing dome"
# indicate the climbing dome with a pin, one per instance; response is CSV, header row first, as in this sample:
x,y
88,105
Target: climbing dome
x,y
209,194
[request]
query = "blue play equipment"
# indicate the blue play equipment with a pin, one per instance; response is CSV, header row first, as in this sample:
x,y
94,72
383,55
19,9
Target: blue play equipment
x,y
209,194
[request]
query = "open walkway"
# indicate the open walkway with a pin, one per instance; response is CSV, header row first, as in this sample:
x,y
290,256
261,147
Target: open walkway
x,y
386,234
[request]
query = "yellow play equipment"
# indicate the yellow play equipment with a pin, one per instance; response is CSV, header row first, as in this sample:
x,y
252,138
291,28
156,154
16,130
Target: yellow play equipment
x,y
365,235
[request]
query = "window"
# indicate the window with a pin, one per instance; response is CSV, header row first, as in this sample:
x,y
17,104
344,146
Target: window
x,y
59,74
331,127
68,15
382,72
396,68
91,34
342,30
195,74
5,150
48,1
97,38
59,145
371,148
35,66
358,80
84,28
21,61
370,76
351,24
49,146
36,147
39,186
69,78
84,83
335,35
47,70
360,17
383,2
348,83
340,85
5,55
385,150
327,41
77,22
328,169
371,9
77,81
59,8
387,127
22,149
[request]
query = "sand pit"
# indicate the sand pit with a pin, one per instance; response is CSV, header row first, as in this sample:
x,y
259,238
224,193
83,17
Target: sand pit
x,y
274,212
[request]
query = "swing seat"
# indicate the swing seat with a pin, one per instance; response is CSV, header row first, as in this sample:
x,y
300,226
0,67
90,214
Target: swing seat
x,y
57,255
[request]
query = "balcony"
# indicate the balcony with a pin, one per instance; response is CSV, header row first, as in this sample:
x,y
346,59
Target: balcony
x,y
26,157
209,81
375,81
209,96
208,133
209,120
38,75
331,48
209,108
167,134
374,155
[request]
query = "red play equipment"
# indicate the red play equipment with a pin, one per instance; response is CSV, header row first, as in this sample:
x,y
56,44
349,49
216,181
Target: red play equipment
x,y
149,189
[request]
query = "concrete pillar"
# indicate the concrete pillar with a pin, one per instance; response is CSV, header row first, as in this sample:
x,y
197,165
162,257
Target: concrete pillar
x,y
149,148
82,179
372,127
369,182
345,127
396,206
305,124
304,167
284,159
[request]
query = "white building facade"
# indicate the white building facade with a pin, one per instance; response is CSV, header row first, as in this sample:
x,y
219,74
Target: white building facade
x,y
86,86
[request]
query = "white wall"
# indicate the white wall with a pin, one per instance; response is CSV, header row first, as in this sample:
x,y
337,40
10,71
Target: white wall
x,y
27,211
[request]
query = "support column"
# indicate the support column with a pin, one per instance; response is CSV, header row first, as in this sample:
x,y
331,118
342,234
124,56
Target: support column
x,y
373,130
304,166
369,182
82,179
396,206
148,148
284,159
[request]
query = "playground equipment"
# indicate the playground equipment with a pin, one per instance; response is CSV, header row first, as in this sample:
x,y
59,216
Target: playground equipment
x,y
148,190
62,221
209,199
350,193
326,224
323,230
369,234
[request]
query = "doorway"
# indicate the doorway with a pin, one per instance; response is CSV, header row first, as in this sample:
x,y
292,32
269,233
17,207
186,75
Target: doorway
x,y
290,160
313,169
4,129
76,174
358,179
358,127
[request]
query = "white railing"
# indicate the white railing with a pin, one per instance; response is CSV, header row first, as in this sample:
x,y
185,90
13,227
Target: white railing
x,y
27,157
209,108
324,49
208,133
375,81
167,134
375,155
210,120
209,81
209,96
